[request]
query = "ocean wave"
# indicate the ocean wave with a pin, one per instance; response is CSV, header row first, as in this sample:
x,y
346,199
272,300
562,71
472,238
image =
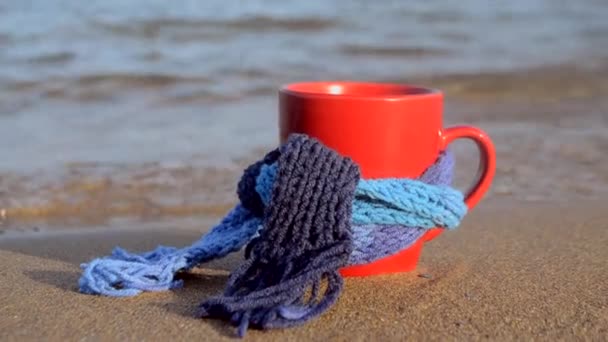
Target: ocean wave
x,y
148,80
98,87
201,96
138,80
52,58
442,16
263,23
92,193
546,84
246,72
150,28
261,91
390,51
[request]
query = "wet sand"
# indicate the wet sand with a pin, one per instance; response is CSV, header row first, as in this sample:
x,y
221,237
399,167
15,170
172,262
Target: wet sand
x,y
509,272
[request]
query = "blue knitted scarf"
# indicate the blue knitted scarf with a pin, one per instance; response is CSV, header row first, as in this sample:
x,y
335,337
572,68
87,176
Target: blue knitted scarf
x,y
304,213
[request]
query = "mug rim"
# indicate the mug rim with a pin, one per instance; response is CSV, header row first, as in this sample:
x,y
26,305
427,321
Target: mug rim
x,y
383,90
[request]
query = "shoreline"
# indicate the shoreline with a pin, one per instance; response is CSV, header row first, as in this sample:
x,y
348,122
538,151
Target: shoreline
x,y
555,113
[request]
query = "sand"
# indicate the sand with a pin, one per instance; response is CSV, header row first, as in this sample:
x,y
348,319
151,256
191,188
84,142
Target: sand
x,y
509,272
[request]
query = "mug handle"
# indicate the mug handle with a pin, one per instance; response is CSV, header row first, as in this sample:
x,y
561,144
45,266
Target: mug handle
x,y
487,164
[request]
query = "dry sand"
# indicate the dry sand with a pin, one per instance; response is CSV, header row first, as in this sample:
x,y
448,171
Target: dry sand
x,y
508,273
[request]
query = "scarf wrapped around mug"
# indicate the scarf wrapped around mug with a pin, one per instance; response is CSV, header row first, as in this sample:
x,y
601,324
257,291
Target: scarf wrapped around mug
x,y
304,213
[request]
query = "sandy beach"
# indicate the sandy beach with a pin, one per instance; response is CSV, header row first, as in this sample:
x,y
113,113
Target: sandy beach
x,y
508,273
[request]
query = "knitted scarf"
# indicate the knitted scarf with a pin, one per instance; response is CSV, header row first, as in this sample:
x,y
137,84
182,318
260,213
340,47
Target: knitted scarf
x,y
304,213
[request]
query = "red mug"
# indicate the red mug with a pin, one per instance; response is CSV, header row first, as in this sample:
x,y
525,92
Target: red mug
x,y
390,131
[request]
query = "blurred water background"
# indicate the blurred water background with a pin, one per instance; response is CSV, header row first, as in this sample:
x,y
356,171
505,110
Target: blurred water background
x,y
151,108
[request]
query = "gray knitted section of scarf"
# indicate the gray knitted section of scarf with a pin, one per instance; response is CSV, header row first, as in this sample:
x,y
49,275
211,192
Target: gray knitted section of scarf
x,y
306,238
